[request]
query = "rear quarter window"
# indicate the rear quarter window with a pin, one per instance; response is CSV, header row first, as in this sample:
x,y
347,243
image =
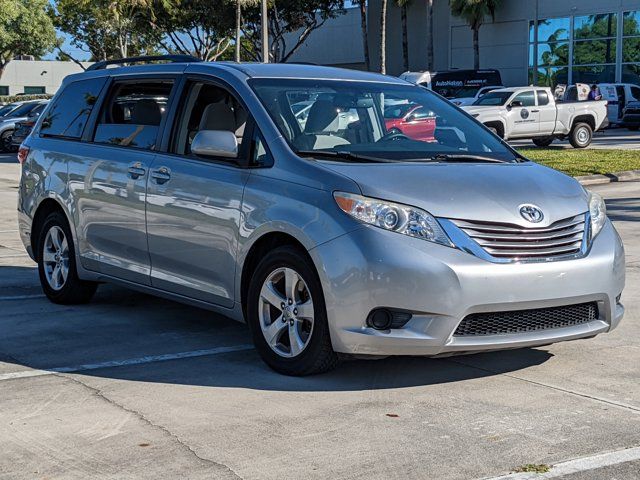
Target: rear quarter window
x,y
70,112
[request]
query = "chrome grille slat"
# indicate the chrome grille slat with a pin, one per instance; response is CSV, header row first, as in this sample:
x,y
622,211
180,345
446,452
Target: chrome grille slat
x,y
531,245
513,242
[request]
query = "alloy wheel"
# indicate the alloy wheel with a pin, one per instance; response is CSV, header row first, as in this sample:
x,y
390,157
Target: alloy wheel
x,y
286,312
55,258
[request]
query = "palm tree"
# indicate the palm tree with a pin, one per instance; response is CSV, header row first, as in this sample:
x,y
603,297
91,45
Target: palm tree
x,y
429,35
383,36
362,5
474,13
404,4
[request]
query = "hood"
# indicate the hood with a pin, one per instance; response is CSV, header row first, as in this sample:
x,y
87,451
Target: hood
x,y
471,109
484,192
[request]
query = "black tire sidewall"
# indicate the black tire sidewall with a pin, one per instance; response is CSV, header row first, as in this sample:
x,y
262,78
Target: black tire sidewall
x,y
311,359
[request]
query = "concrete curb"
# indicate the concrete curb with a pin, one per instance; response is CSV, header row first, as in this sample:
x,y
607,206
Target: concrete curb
x,y
627,176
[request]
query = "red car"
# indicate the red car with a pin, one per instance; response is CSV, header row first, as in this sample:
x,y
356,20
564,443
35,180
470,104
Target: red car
x,y
414,121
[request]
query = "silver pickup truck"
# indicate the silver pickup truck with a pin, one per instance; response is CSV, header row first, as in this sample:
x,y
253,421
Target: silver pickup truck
x,y
532,112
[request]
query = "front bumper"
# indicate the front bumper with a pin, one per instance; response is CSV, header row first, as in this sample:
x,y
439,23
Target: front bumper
x,y
372,268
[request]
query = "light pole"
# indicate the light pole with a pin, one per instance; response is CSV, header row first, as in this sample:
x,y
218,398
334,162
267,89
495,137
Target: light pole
x,y
265,33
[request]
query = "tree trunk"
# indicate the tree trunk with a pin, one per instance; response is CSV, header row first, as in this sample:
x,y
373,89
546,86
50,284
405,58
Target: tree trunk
x,y
430,66
476,48
383,37
405,38
238,25
365,37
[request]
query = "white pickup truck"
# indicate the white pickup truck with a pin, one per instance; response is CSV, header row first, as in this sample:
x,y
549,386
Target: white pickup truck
x,y
531,112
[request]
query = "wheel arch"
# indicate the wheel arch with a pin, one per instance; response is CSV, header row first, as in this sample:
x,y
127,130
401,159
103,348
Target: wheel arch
x,y
498,125
585,118
259,247
47,206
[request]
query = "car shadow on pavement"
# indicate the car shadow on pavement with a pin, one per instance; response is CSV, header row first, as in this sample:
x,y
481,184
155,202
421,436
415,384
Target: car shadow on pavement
x,y
8,158
623,209
120,324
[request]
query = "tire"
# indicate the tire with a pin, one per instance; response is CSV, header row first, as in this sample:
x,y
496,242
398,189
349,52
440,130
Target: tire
x,y
543,141
4,140
55,254
273,277
581,135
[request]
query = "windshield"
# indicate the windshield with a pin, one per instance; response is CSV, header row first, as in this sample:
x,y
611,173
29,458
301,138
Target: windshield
x,y
460,92
493,99
23,110
6,109
368,119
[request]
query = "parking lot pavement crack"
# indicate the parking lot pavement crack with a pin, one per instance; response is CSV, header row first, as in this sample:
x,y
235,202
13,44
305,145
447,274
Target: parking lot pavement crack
x,y
594,398
98,393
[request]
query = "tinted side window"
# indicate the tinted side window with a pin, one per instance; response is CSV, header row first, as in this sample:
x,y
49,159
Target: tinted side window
x,y
132,114
68,116
635,91
527,99
543,98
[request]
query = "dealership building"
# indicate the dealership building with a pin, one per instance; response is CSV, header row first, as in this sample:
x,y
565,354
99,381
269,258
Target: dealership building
x,y
591,41
35,76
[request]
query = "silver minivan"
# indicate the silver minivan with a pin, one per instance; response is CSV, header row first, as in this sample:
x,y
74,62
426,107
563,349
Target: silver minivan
x,y
329,235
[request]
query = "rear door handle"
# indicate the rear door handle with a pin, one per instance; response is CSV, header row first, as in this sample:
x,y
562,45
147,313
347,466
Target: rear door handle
x,y
136,171
162,175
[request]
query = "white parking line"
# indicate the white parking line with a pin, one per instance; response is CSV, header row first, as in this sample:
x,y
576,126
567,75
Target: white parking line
x,y
123,363
21,297
579,465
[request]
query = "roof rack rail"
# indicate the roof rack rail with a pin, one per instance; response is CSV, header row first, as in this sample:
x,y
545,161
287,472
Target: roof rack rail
x,y
146,58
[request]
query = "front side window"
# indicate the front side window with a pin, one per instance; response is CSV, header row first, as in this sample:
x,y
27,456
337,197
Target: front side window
x,y
372,120
493,99
208,107
23,110
132,114
70,112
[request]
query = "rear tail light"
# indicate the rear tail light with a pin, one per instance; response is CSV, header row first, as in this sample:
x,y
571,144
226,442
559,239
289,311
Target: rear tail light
x,y
23,153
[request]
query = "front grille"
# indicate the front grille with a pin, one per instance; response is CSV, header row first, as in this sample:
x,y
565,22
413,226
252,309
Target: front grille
x,y
496,323
513,242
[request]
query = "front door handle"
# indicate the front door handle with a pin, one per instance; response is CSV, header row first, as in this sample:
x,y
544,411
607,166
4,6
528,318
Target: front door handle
x,y
136,171
535,111
162,175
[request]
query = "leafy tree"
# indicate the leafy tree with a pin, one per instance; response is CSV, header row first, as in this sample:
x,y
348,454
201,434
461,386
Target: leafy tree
x,y
25,29
291,22
202,28
474,13
107,29
238,40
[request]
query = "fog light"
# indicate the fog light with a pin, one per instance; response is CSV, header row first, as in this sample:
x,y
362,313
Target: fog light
x,y
387,318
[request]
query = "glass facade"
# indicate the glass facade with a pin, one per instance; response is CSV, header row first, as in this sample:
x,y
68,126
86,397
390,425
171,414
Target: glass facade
x,y
597,48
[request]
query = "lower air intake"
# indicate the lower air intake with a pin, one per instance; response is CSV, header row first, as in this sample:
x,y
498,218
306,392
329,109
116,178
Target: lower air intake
x,y
496,323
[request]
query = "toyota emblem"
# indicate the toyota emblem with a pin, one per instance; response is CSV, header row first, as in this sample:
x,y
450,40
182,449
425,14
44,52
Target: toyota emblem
x,y
531,213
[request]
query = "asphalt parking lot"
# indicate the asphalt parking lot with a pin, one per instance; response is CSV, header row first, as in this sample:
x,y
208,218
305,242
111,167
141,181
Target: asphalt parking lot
x,y
131,386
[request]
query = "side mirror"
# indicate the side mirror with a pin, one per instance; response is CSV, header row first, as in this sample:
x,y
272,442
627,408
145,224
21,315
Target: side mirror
x,y
516,103
215,143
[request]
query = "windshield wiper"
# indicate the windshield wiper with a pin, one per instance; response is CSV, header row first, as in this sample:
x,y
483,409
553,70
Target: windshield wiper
x,y
349,156
465,157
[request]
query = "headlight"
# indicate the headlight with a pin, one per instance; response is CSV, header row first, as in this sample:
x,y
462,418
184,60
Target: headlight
x,y
395,217
598,212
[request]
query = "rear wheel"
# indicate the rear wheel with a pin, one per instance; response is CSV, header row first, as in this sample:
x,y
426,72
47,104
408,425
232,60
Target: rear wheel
x,y
543,141
287,314
581,135
5,141
57,263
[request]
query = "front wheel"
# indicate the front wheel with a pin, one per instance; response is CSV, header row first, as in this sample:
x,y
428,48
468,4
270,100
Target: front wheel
x,y
57,264
581,135
287,315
